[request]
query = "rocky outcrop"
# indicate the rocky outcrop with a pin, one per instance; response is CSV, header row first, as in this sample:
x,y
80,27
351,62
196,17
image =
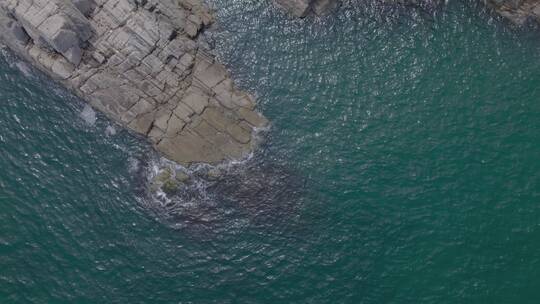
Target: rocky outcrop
x,y
139,62
518,11
301,8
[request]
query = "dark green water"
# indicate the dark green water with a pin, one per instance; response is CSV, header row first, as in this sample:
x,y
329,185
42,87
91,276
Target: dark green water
x,y
402,167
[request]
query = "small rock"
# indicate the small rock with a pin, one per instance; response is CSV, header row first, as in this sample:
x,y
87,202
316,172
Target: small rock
x,y
214,173
163,176
86,7
170,187
165,181
181,176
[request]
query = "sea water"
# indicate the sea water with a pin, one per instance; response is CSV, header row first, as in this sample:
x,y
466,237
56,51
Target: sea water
x,y
402,166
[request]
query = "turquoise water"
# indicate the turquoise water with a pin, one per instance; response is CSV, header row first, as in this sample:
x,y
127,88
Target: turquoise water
x,y
402,167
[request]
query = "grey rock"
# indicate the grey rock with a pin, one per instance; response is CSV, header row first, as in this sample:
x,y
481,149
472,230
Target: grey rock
x,y
55,24
166,181
518,12
86,7
170,187
140,63
181,176
12,32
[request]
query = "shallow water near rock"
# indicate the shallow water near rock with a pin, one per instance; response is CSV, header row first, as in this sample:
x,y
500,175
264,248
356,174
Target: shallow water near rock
x,y
402,166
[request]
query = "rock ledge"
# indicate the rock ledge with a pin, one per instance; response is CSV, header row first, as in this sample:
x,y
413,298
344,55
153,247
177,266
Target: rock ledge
x,y
139,62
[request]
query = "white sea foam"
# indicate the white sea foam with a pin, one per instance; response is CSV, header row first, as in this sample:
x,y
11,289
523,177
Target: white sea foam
x,y
24,68
110,130
88,115
133,166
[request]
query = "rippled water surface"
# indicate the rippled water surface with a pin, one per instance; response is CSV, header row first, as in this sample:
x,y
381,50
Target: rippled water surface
x,y
402,167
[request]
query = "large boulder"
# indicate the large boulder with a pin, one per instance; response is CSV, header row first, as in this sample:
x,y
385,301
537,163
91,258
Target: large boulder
x,y
57,24
12,32
86,7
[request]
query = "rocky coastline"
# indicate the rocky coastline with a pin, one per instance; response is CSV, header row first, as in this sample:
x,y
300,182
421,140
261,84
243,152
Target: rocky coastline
x,y
519,12
142,64
139,62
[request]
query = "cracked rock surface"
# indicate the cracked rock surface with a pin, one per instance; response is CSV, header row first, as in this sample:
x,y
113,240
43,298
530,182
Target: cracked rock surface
x,y
139,62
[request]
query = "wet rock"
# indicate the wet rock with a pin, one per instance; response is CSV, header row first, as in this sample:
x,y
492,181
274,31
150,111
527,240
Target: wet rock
x,y
161,179
170,187
164,175
214,174
86,7
250,194
169,180
181,176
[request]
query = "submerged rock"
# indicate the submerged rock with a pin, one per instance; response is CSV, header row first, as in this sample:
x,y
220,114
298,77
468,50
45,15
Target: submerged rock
x,y
170,187
169,180
181,176
245,194
164,175
140,63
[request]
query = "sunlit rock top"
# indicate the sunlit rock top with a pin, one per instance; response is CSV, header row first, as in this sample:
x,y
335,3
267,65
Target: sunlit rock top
x,y
139,62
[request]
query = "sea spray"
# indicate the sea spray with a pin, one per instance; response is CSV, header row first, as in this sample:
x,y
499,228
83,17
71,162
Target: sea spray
x,y
88,115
